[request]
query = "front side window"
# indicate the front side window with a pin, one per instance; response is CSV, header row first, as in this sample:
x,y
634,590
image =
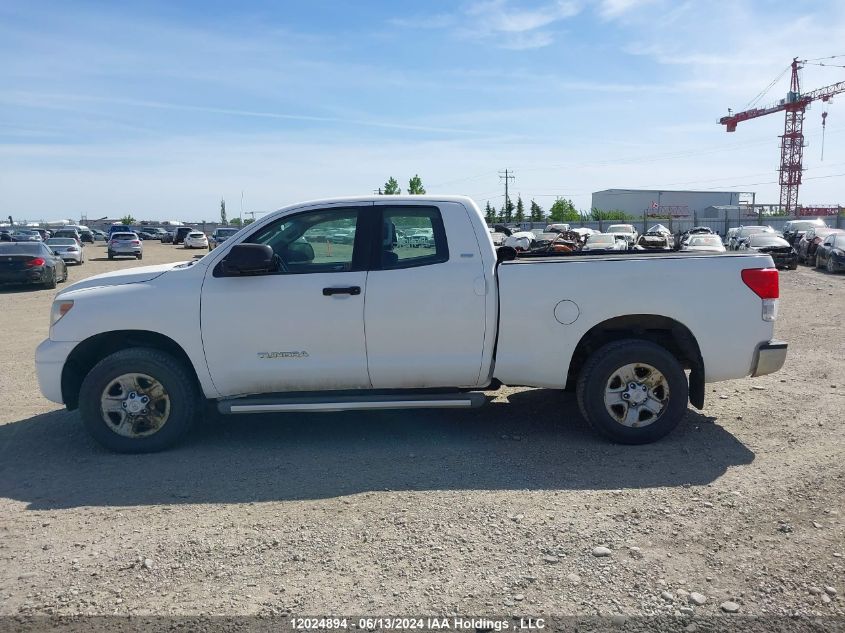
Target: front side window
x,y
312,242
412,236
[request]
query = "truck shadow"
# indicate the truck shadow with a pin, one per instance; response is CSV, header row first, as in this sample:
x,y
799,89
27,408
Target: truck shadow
x,y
537,441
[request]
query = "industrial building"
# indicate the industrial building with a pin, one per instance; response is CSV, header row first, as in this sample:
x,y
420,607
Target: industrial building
x,y
662,203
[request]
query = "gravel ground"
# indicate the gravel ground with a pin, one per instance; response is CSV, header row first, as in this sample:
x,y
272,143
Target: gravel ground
x,y
491,511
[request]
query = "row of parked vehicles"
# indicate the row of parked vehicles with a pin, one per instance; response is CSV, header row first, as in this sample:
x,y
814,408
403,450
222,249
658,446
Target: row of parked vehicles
x,y
809,242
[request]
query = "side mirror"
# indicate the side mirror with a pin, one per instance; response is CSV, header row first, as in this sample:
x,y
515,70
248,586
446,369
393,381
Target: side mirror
x,y
248,259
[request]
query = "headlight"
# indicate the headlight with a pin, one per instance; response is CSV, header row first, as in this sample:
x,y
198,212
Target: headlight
x,y
59,309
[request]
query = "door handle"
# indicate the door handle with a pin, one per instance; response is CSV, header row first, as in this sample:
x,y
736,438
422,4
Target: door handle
x,y
349,290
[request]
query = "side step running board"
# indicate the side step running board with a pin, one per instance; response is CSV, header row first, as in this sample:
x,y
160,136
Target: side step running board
x,y
330,403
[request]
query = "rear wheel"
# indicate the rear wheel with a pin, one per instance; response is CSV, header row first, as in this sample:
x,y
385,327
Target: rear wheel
x,y
111,255
633,391
831,267
50,283
138,400
140,256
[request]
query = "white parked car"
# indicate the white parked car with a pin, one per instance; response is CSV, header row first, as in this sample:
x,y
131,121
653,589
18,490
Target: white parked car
x,y
400,328
196,239
67,248
605,242
520,240
703,243
626,230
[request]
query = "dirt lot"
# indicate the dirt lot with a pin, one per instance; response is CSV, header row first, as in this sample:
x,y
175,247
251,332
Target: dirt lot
x,y
490,511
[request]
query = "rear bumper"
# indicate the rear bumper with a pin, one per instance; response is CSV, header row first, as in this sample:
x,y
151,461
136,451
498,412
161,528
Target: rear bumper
x,y
769,358
28,276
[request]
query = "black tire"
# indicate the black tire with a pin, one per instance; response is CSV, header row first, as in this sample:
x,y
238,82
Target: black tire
x,y
50,284
139,256
176,379
111,255
599,369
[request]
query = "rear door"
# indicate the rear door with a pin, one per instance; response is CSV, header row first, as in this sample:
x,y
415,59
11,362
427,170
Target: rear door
x,y
426,298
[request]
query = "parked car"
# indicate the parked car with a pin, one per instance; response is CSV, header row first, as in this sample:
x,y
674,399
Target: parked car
x,y
86,236
655,240
167,238
44,233
557,228
605,242
497,238
704,243
810,242
99,236
120,228
342,346
6,236
196,239
67,248
179,235
729,236
782,253
221,234
744,232
30,263
794,229
125,244
147,235
831,253
626,230
696,230
72,233
157,231
27,236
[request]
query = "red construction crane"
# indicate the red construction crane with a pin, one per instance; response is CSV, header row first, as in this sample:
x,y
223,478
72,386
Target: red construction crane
x,y
792,142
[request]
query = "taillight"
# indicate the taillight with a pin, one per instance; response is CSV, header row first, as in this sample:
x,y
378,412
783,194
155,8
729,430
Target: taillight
x,y
36,261
72,249
763,281
135,242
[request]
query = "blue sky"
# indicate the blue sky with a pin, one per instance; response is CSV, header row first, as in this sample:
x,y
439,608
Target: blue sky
x,y
161,108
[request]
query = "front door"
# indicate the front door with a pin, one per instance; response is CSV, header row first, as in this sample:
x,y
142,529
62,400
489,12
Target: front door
x,y
301,327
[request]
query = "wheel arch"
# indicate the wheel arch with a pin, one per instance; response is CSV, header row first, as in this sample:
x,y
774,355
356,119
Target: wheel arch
x,y
665,331
95,348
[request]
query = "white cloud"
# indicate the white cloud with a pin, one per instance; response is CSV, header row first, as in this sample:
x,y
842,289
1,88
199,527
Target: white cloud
x,y
614,8
500,22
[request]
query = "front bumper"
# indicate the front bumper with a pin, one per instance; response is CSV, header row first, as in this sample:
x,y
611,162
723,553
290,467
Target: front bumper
x,y
769,358
50,359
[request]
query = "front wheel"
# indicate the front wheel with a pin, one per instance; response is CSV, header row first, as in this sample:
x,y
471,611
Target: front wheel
x,y
138,400
633,391
831,267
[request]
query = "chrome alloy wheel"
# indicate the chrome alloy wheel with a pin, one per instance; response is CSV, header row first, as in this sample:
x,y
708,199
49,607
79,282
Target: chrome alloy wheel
x,y
636,395
135,405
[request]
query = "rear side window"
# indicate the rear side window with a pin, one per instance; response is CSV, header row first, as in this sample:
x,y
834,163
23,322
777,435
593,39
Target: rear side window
x,y
412,236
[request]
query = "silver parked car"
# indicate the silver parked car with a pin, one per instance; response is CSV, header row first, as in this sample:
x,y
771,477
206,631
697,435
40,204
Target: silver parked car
x,y
67,249
122,243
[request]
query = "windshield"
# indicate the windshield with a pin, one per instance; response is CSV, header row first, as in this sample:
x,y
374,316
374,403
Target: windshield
x,y
231,232
709,240
601,238
124,236
803,225
61,241
620,228
767,240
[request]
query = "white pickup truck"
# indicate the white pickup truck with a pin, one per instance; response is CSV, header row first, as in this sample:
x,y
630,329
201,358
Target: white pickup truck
x,y
281,317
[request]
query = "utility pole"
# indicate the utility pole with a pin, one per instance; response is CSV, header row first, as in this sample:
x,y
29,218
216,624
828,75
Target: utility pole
x,y
378,192
506,176
242,207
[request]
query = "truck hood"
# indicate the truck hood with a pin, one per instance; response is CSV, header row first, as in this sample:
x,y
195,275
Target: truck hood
x,y
120,277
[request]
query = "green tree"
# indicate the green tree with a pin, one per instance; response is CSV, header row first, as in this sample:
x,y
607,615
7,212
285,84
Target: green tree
x,y
490,214
391,187
235,222
537,213
563,211
507,211
223,211
128,220
415,186
249,221
614,214
520,210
